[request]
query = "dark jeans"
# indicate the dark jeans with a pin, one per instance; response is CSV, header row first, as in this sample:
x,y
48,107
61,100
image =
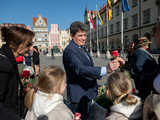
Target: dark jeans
x,y
81,107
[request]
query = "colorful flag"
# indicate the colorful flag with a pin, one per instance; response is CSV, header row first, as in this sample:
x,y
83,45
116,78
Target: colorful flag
x,y
125,6
100,18
109,9
91,21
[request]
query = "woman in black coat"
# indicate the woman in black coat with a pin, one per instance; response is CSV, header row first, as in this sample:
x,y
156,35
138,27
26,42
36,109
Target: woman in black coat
x,y
144,67
17,42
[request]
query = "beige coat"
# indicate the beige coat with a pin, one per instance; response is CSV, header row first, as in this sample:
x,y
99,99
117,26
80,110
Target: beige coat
x,y
122,111
51,105
61,112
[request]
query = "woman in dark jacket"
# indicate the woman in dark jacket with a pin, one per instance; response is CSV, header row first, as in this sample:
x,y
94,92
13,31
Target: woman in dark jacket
x,y
17,42
144,67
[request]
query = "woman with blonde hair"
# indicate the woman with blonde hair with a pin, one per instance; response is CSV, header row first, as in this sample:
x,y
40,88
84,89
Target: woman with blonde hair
x,y
47,99
125,105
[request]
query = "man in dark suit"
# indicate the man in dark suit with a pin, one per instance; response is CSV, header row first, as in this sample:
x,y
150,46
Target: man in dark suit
x,y
80,70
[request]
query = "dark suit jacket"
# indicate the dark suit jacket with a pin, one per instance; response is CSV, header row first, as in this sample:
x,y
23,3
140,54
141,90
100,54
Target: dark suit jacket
x,y
9,84
81,73
145,69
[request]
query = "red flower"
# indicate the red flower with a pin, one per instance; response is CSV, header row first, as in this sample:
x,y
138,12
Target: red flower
x,y
25,74
133,90
77,116
29,85
20,59
115,53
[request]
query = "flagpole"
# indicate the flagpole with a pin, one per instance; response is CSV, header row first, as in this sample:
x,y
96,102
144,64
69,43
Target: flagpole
x,y
98,53
107,52
91,53
122,42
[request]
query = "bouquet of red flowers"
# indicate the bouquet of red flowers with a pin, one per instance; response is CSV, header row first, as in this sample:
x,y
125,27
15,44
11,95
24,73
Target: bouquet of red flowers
x,y
26,79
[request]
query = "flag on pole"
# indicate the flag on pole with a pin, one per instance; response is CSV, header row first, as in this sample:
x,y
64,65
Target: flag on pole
x,y
91,21
125,6
109,9
100,18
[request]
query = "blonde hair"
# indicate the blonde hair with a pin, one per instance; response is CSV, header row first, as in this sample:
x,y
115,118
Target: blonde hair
x,y
49,78
151,109
120,87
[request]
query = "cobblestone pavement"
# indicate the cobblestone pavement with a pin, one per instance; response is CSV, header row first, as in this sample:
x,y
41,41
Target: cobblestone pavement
x,y
45,61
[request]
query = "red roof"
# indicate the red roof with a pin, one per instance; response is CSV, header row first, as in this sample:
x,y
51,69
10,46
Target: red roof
x,y
35,19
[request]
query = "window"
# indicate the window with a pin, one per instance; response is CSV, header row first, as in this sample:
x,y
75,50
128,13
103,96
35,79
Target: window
x,y
126,23
134,20
118,27
111,29
134,3
117,10
146,16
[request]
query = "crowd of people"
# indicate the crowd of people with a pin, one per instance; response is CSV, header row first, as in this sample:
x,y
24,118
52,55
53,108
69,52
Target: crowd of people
x,y
44,101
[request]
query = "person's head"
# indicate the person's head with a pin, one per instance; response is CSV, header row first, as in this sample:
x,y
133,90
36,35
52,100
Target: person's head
x,y
78,33
52,79
131,47
36,48
142,42
119,88
18,39
151,109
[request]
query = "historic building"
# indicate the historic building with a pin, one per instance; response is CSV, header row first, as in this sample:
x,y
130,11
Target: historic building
x,y
64,38
40,28
137,22
54,36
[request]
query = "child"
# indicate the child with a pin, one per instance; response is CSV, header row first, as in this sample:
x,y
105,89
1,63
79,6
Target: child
x,y
151,109
48,99
125,105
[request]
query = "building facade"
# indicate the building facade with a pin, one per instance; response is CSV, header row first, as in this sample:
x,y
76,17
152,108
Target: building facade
x,y
54,36
64,38
137,22
40,28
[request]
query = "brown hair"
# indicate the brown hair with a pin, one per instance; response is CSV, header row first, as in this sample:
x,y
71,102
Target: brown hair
x,y
14,36
151,109
49,78
120,87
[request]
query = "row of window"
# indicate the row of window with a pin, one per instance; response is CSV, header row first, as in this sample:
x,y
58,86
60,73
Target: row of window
x,y
117,10
135,2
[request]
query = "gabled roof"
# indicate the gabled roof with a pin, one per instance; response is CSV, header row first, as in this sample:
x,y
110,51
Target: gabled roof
x,y
35,19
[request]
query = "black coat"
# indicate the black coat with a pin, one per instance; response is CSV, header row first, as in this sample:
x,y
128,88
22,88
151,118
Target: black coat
x,y
9,84
145,70
81,73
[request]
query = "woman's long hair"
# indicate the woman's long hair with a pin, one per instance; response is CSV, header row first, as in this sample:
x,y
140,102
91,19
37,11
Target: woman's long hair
x,y
14,36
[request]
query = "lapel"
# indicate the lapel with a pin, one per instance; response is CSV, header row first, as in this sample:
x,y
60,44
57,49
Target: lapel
x,y
81,53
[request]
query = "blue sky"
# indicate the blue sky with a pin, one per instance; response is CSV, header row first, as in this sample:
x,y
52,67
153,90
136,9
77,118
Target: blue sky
x,y
61,12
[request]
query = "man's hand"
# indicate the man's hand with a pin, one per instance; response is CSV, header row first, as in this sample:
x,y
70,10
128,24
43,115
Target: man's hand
x,y
115,64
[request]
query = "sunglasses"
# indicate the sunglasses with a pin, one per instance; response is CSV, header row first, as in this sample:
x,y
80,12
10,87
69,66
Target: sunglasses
x,y
29,44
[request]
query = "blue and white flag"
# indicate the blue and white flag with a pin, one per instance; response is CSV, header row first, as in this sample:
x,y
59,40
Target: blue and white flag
x,y
125,6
